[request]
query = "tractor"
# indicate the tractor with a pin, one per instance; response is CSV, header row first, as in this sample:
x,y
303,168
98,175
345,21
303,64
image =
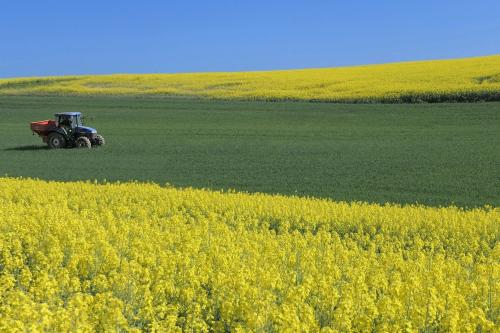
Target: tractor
x,y
66,131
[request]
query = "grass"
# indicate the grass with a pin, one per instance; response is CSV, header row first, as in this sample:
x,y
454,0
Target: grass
x,y
435,154
457,80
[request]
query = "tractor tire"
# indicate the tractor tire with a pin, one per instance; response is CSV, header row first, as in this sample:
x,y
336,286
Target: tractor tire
x,y
83,142
56,141
99,140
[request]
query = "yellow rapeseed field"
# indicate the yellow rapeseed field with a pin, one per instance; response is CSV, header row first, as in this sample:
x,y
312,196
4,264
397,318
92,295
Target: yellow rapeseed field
x,y
83,257
470,79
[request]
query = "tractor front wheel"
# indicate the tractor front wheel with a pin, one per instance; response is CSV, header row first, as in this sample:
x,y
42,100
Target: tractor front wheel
x,y
83,142
99,140
56,141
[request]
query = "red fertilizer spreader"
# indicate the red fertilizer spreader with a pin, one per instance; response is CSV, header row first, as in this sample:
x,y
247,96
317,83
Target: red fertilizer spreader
x,y
43,128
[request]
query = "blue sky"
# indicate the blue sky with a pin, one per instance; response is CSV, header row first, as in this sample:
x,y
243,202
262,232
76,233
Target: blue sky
x,y
39,38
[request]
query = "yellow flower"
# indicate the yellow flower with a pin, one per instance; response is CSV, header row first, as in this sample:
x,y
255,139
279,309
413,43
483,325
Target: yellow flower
x,y
140,257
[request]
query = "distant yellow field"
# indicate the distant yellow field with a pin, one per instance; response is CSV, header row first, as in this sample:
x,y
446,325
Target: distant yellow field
x,y
83,257
458,80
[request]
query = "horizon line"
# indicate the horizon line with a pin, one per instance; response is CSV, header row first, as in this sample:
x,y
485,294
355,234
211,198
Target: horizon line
x,y
247,71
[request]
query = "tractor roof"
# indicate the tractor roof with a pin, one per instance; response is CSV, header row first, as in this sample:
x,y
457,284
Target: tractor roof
x,y
68,114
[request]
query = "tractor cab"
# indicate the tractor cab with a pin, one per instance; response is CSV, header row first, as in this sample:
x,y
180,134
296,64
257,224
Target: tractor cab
x,y
69,120
72,122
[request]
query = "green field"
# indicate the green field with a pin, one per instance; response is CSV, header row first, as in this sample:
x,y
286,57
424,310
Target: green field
x,y
435,154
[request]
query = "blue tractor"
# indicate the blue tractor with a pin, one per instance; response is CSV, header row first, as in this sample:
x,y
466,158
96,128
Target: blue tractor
x,y
67,130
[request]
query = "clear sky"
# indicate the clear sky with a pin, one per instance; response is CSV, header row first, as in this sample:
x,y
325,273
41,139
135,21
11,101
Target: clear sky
x,y
47,37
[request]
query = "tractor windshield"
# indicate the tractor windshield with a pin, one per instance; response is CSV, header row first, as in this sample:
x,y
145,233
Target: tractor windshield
x,y
78,121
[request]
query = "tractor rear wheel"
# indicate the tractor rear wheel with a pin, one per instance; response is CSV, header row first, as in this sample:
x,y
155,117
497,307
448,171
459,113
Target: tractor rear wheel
x,y
83,142
99,140
56,141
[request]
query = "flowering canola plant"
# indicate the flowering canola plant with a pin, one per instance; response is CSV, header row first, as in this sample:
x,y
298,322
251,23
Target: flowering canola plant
x,y
458,80
82,256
